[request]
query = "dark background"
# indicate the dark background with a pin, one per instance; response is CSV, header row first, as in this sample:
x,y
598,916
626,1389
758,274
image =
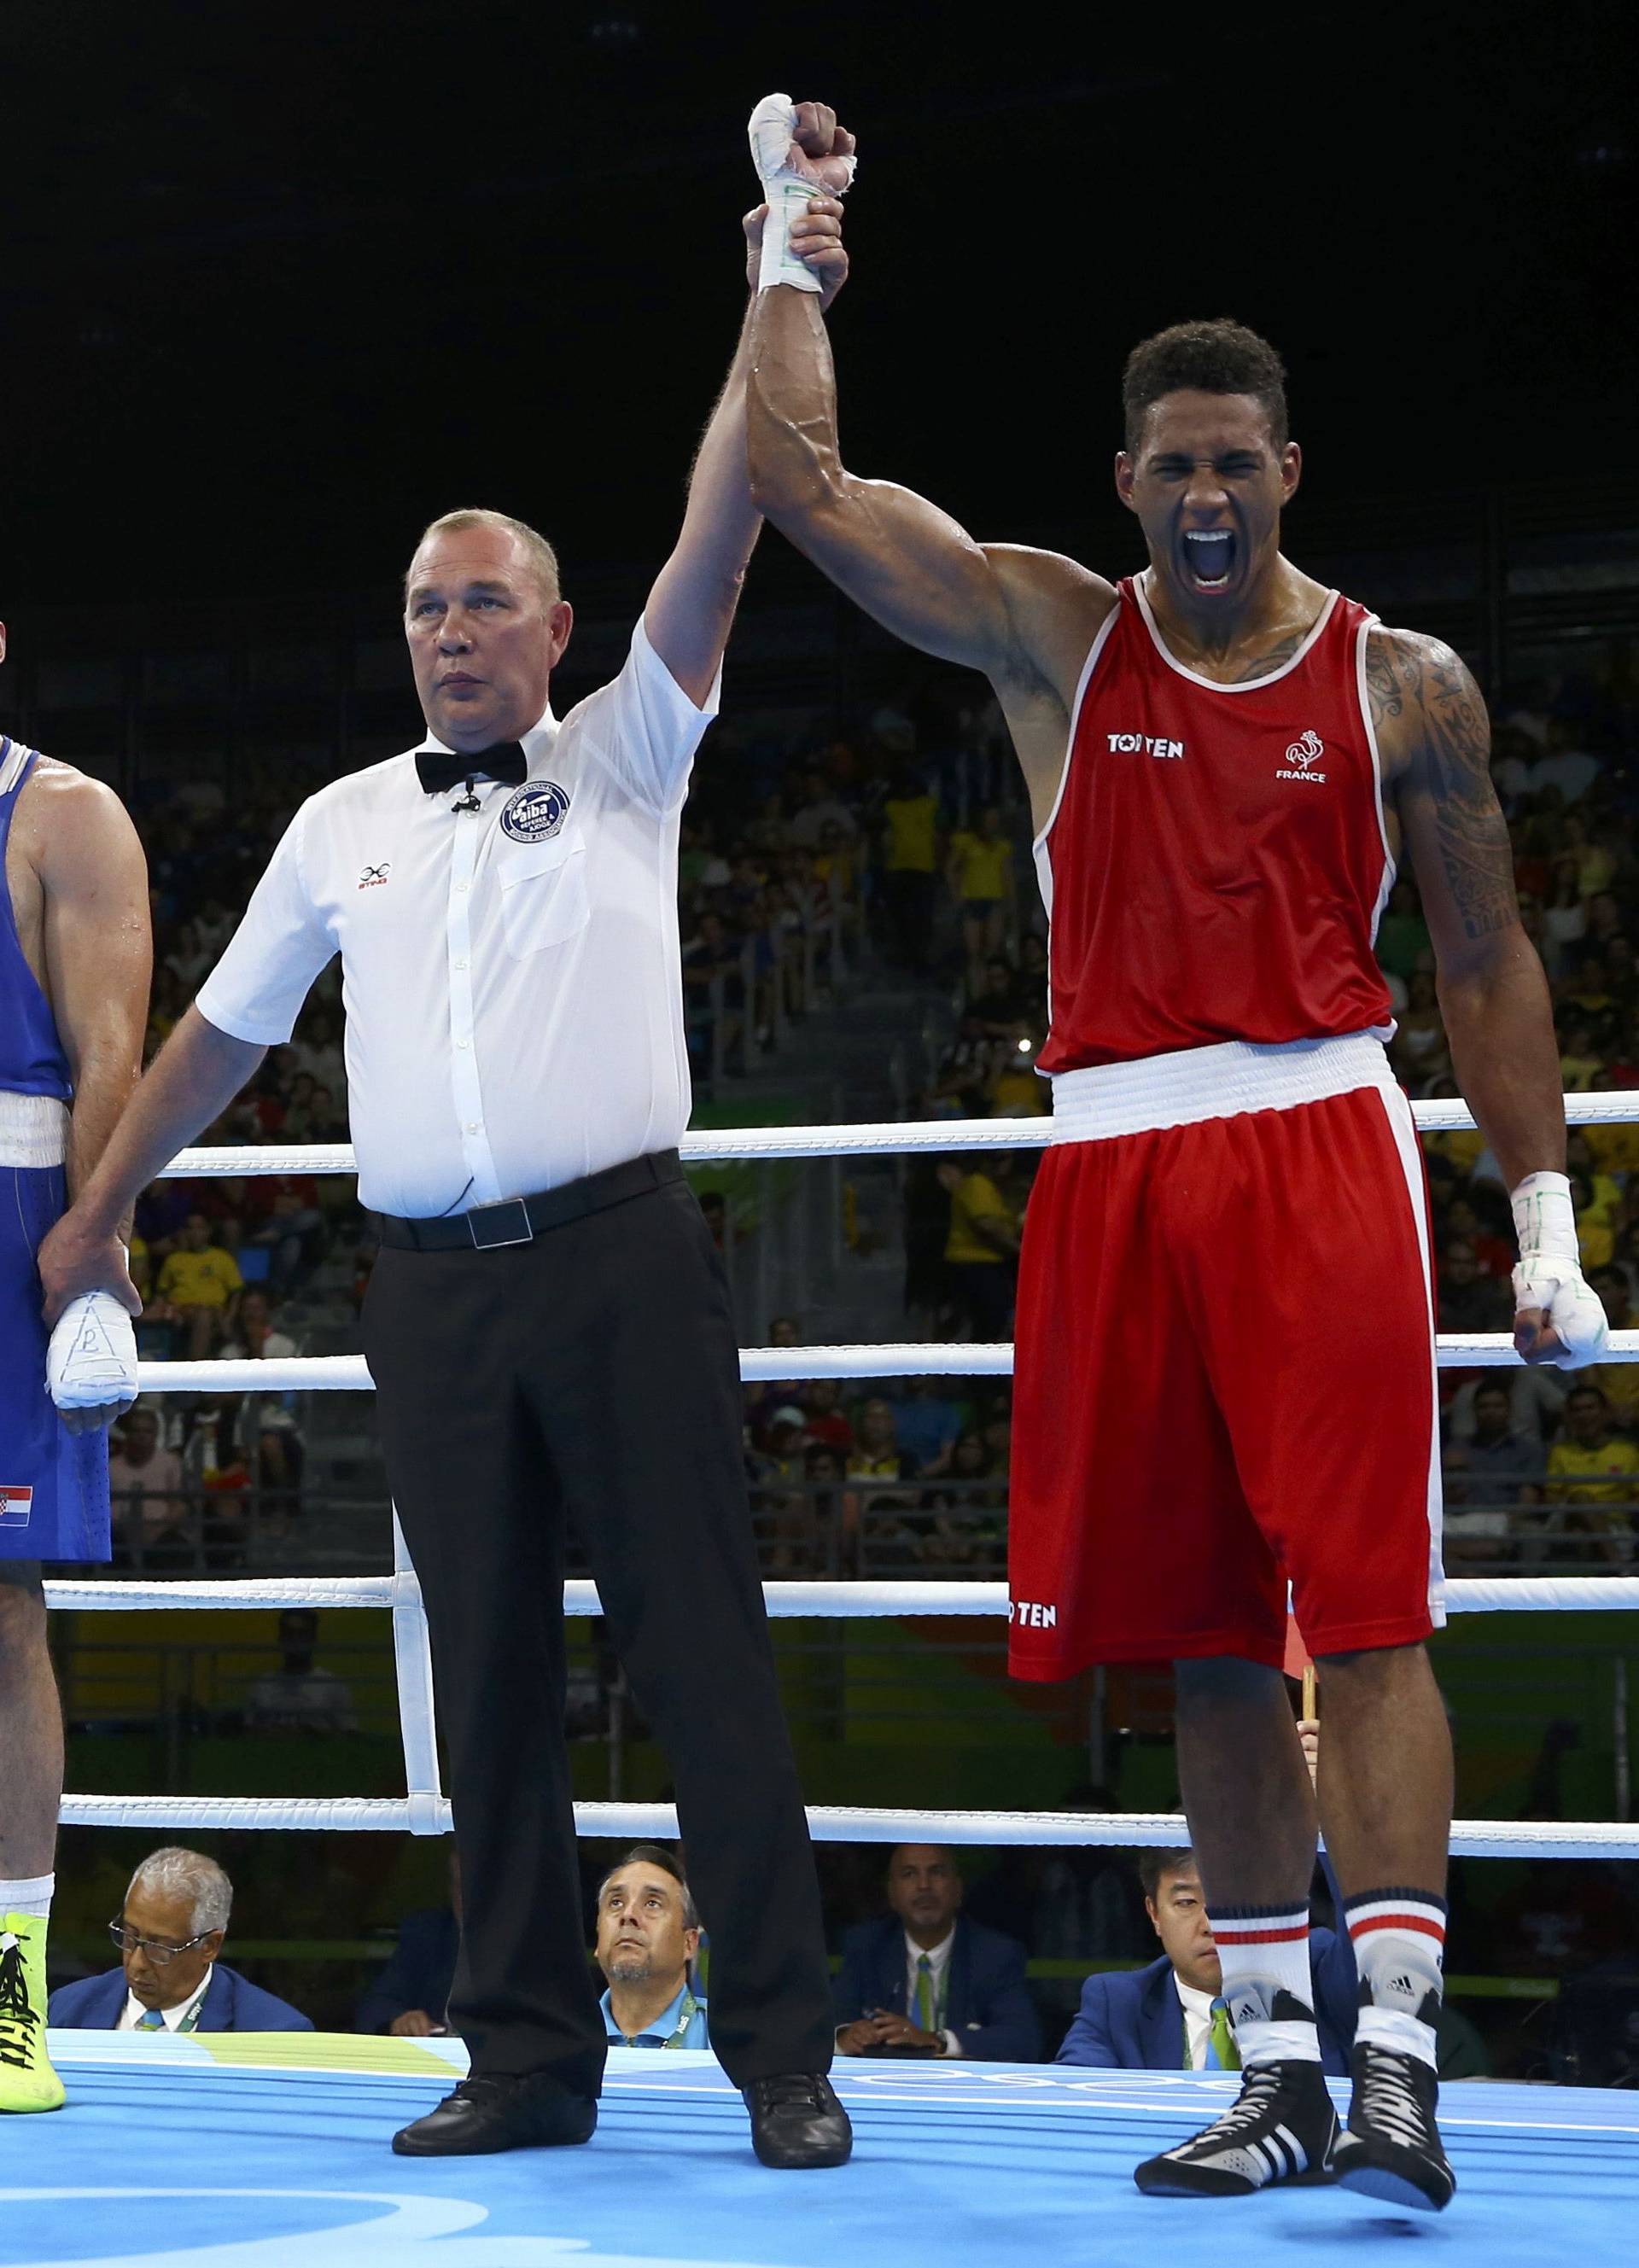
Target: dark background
x,y
277,288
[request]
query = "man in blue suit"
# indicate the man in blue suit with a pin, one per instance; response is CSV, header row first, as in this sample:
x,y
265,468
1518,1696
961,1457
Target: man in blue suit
x,y
1172,2016
170,1932
410,1998
924,1981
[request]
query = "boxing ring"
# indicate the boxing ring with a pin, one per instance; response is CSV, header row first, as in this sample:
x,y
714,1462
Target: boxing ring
x,y
218,2150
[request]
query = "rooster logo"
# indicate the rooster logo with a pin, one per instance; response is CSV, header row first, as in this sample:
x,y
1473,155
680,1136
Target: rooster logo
x,y
1307,751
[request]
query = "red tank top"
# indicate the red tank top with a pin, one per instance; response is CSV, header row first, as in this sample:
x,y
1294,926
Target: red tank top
x,y
1216,863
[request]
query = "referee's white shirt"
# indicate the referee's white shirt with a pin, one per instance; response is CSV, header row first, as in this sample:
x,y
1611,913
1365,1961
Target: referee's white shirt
x,y
512,976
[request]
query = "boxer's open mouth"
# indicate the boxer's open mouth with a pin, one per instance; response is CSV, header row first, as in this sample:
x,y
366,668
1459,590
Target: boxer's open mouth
x,y
1209,556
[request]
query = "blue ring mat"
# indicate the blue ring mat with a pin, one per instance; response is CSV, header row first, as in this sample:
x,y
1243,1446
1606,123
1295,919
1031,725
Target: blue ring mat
x,y
234,2150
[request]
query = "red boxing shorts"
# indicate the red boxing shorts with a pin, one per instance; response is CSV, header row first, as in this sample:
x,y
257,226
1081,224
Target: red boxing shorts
x,y
1225,1365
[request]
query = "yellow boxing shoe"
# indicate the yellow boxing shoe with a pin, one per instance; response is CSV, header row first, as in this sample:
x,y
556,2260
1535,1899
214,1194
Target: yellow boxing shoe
x,y
28,2082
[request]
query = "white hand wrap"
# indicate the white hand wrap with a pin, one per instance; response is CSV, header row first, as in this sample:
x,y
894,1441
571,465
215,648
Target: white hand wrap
x,y
785,191
91,1360
1549,1275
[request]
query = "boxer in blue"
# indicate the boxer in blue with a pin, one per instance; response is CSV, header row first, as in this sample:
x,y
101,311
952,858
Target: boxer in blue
x,y
75,957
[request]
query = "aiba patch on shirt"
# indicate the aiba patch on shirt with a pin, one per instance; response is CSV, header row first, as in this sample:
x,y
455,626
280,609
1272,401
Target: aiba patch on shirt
x,y
535,811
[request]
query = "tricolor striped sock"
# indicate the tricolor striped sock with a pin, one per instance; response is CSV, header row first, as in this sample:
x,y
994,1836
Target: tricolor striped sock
x,y
1264,1952
1399,1949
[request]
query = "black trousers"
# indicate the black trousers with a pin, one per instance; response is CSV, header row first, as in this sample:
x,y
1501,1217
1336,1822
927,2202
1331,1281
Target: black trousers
x,y
591,1377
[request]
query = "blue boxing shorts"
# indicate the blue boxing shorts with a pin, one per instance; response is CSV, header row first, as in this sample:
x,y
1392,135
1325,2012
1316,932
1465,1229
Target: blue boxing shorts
x,y
54,1484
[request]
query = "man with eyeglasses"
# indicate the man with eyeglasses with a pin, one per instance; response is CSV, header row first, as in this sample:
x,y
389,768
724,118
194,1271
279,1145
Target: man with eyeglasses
x,y
169,1932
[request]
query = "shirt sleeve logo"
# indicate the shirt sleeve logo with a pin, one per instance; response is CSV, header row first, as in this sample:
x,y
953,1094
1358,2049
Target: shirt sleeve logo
x,y
535,811
371,878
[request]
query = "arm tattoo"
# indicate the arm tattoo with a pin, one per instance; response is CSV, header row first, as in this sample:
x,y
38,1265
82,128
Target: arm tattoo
x,y
1421,694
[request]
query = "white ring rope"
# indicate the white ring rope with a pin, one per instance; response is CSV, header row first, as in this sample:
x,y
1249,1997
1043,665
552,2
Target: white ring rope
x,y
424,1810
888,1137
348,1373
788,1602
1120,1830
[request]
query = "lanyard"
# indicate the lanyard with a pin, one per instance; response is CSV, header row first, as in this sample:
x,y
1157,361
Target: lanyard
x,y
686,2015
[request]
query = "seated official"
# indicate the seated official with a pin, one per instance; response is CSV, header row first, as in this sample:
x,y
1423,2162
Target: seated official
x,y
410,1997
926,1981
1172,2016
648,1932
169,1932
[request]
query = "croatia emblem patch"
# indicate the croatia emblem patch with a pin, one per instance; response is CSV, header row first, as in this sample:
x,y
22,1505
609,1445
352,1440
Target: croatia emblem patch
x,y
15,1505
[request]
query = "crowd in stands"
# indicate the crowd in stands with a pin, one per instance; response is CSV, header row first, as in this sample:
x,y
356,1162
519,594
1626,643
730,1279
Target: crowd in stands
x,y
911,1473
909,849
1543,1475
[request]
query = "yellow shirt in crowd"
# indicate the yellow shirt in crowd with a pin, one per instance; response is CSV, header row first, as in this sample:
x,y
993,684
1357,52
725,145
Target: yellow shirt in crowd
x,y
975,1198
912,834
1019,1092
982,867
200,1279
1615,1148
1569,1463
1619,1383
1463,1145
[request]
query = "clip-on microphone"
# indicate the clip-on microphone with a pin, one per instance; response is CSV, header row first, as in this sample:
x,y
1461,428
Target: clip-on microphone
x,y
468,802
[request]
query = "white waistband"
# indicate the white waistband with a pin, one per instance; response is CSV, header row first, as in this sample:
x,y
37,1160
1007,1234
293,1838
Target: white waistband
x,y
1201,1083
33,1128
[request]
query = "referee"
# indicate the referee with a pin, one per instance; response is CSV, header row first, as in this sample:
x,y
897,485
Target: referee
x,y
548,1325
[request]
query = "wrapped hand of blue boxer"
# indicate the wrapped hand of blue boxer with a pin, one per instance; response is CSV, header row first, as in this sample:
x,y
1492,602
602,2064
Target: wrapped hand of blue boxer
x,y
91,1363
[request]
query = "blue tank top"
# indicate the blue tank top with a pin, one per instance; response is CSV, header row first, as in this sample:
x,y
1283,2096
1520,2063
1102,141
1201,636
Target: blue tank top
x,y
32,1057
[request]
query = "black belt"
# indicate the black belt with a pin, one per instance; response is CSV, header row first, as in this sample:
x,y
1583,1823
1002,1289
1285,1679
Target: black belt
x,y
519,1220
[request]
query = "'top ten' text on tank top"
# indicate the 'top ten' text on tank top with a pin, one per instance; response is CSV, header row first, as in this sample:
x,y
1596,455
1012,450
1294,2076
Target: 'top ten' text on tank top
x,y
32,1057
1216,863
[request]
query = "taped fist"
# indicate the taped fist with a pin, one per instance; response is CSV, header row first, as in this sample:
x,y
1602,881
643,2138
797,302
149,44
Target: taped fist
x,y
803,141
1557,1319
805,162
91,1363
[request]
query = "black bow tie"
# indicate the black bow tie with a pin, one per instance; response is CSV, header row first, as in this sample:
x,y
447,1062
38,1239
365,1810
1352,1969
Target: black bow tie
x,y
438,773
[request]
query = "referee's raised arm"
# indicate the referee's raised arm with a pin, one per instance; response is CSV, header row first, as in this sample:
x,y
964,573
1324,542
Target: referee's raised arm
x,y
692,607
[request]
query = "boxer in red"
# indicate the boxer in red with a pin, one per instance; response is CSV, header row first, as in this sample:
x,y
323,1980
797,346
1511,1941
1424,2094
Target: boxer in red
x,y
1225,1342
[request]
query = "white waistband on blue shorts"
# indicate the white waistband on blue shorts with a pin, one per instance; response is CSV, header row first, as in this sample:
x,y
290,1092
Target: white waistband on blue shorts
x,y
1195,1084
33,1128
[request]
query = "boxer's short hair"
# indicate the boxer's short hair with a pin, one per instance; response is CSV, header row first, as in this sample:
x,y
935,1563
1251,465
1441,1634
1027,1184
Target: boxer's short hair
x,y
1222,356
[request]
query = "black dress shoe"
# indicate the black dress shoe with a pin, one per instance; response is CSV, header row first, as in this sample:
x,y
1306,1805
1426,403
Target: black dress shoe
x,y
485,2115
797,2120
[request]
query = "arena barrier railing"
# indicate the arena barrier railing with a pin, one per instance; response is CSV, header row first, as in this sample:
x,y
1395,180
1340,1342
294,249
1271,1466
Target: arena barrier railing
x,y
424,1810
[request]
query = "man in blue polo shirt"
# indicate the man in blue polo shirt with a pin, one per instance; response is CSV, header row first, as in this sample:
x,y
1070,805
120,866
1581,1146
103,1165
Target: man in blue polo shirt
x,y
648,1932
